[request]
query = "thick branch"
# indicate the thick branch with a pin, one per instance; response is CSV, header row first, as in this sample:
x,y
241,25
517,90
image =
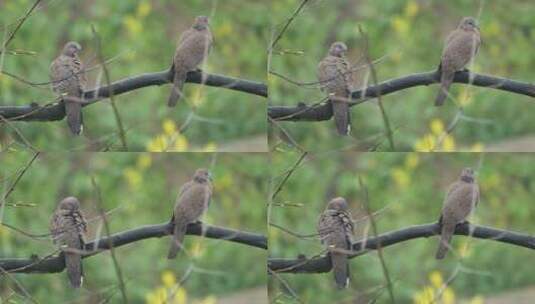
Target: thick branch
x,y
324,111
323,264
57,263
57,111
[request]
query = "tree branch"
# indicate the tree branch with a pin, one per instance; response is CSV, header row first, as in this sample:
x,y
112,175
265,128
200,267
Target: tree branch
x,y
323,264
320,112
56,111
57,263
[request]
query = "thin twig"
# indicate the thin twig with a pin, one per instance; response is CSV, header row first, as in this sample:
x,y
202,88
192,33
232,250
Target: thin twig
x,y
379,248
288,22
116,114
379,98
288,174
19,25
110,243
19,176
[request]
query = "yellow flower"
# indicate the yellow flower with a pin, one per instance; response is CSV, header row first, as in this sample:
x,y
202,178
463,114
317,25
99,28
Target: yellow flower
x,y
448,143
143,9
448,296
168,279
133,26
477,147
425,296
133,177
169,127
411,161
435,278
426,144
400,25
208,300
437,127
158,144
144,161
181,143
180,296
210,147
412,9
476,300
401,177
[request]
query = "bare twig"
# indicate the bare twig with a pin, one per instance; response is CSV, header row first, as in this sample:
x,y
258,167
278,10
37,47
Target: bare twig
x,y
19,25
19,176
116,114
110,243
287,24
366,203
288,174
375,81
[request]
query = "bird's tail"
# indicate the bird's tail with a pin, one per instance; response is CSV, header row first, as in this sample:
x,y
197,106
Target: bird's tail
x,y
340,269
445,82
73,262
445,239
178,237
73,110
341,116
178,84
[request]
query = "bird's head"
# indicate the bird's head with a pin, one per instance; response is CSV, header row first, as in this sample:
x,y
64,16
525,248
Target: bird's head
x,y
338,204
71,48
202,176
338,49
468,23
201,23
467,175
70,203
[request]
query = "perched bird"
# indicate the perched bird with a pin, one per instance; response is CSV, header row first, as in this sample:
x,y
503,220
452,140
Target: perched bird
x,y
68,227
461,46
191,203
336,78
460,201
193,47
68,79
335,228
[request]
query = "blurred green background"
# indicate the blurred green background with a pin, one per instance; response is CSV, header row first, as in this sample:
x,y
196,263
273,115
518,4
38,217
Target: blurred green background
x,y
408,36
405,189
139,189
140,37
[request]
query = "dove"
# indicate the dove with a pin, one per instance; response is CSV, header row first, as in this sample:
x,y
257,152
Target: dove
x,y
461,47
68,227
336,78
191,203
335,228
68,79
459,203
193,47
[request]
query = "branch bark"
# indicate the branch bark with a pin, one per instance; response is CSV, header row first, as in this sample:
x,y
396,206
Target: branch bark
x,y
56,111
57,263
323,264
302,112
